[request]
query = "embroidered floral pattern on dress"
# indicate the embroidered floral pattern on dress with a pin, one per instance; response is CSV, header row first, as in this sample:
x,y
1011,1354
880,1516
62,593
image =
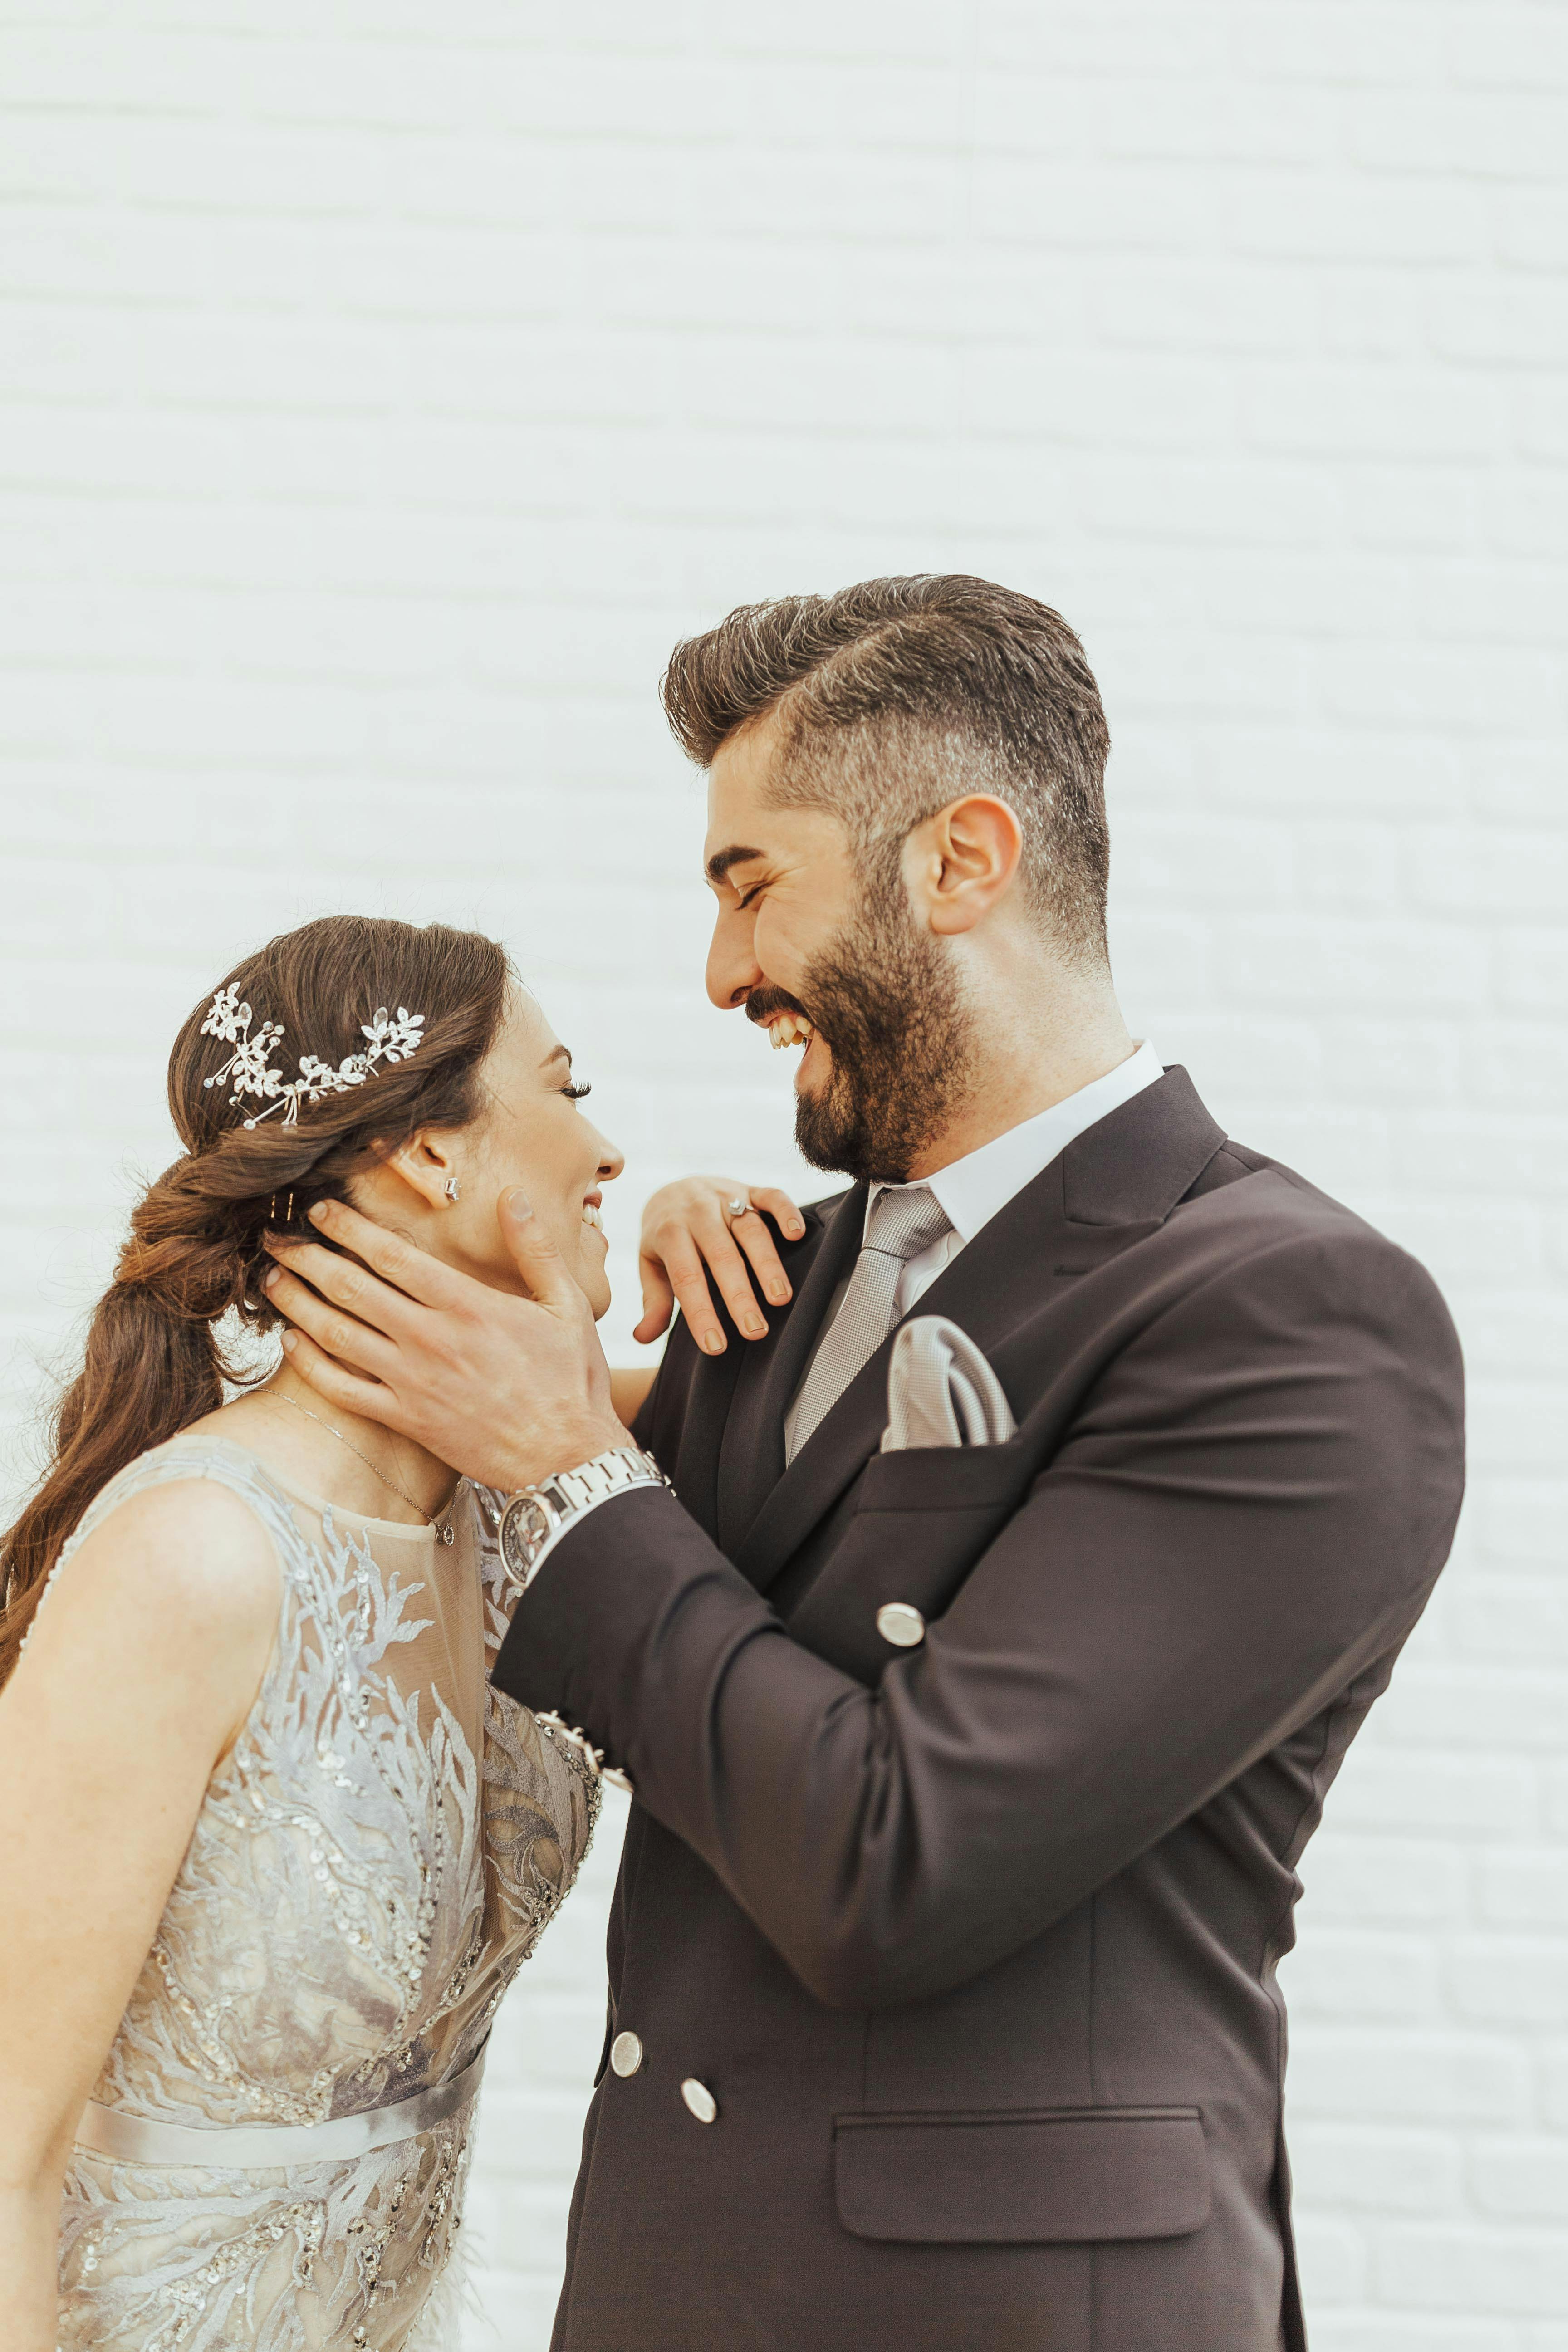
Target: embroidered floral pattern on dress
x,y
371,1866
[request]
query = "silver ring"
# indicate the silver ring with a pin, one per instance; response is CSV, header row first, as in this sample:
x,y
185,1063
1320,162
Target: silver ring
x,y
738,1207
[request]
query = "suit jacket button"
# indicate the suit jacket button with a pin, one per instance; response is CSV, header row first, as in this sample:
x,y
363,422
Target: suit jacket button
x,y
625,2053
700,2099
898,1623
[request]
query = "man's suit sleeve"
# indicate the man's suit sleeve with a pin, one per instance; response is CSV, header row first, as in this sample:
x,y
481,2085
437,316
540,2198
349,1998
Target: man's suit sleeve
x,y
1249,1507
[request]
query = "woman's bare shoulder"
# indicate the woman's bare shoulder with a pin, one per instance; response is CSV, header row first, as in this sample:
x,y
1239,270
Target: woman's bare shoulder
x,y
187,1553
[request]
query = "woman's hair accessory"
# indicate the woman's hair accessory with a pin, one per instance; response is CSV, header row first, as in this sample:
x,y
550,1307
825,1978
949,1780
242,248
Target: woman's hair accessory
x,y
250,1066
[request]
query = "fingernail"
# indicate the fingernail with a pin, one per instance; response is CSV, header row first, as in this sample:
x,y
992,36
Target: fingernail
x,y
317,1215
290,1341
518,1202
796,1229
754,1326
779,1293
269,1281
714,1342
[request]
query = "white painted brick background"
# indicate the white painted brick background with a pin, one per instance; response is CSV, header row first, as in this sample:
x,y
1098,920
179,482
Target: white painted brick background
x,y
385,387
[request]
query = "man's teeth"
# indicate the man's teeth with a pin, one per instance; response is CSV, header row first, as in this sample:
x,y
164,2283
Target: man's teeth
x,y
591,1216
790,1029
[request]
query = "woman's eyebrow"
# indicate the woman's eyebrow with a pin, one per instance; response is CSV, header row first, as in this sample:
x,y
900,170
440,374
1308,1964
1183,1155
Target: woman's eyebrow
x,y
557,1054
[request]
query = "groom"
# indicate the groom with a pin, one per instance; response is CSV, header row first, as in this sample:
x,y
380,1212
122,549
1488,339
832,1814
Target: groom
x,y
971,1779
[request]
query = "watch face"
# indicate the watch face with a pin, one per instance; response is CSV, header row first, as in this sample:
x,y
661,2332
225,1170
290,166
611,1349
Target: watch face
x,y
523,1529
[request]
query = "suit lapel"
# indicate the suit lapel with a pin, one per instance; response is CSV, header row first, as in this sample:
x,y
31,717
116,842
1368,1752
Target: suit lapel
x,y
752,1459
992,1285
1118,1182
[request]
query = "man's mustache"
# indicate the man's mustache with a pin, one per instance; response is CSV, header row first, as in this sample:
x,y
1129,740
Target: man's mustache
x,y
762,1004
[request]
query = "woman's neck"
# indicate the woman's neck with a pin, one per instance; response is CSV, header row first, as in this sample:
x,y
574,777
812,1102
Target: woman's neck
x,y
353,1461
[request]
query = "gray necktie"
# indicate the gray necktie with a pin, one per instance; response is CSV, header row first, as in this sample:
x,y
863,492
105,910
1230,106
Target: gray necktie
x,y
900,1224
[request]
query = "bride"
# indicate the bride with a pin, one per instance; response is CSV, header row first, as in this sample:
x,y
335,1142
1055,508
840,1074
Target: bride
x,y
272,1848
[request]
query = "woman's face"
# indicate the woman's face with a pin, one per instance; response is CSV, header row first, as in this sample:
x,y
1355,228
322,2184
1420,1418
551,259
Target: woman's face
x,y
530,1131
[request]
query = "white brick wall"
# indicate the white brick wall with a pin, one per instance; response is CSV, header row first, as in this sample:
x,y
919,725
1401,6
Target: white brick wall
x,y
385,387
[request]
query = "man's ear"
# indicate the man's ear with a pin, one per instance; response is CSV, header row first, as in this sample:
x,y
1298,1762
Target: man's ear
x,y
960,863
426,1163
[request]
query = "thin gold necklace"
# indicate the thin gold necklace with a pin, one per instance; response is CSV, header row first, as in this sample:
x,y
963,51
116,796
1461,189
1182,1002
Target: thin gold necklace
x,y
279,1397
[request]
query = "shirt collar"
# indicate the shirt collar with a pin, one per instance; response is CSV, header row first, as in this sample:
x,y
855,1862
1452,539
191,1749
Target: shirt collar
x,y
972,1190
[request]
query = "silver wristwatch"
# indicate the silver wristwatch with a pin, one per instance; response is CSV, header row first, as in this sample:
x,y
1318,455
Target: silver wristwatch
x,y
534,1522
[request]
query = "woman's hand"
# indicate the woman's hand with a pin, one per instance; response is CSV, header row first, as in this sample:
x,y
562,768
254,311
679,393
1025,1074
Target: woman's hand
x,y
685,1225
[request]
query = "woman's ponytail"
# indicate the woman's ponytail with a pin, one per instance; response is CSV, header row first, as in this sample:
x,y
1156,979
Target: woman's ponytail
x,y
148,1373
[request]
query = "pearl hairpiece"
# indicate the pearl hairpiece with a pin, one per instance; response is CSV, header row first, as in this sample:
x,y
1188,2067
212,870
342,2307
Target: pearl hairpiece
x,y
250,1066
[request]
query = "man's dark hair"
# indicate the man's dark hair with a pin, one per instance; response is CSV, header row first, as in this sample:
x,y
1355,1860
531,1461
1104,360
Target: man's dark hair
x,y
899,696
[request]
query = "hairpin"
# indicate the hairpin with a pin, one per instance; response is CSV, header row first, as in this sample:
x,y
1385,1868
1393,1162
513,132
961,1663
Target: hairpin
x,y
251,1067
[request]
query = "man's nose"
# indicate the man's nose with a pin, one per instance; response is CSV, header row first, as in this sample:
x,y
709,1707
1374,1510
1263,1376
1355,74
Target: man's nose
x,y
733,967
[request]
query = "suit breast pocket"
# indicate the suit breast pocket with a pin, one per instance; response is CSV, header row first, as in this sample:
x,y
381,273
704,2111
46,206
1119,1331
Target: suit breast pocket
x,y
921,1519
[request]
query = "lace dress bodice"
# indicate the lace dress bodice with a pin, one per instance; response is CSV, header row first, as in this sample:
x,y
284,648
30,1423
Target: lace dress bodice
x,y
372,1862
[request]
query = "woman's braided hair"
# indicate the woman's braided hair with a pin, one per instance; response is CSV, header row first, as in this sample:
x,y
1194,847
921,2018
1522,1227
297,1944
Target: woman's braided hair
x,y
153,1360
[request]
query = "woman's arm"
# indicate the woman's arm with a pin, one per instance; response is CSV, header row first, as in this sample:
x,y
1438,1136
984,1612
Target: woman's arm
x,y
140,1667
628,1391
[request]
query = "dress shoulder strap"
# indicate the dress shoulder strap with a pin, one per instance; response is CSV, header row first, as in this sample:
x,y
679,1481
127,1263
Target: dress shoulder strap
x,y
180,1458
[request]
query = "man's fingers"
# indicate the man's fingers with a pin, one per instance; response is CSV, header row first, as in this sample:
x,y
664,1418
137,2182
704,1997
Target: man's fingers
x,y
338,1279
539,1261
338,1333
658,1300
758,1244
406,1267
780,1208
345,1390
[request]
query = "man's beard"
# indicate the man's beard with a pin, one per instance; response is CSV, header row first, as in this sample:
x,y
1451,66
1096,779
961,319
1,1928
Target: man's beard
x,y
887,1002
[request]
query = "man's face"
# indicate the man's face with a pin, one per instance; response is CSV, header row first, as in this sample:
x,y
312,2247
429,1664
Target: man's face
x,y
825,955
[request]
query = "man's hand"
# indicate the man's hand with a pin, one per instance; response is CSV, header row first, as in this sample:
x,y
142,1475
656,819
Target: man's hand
x,y
505,1390
686,1221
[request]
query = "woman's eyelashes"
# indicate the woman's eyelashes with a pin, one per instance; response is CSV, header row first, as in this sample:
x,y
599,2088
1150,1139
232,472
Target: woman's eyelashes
x,y
577,1087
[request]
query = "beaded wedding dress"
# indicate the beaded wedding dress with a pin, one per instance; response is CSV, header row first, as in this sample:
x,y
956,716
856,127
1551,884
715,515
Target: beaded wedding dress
x,y
274,2154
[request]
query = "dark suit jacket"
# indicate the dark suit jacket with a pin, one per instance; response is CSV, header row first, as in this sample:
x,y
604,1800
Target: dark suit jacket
x,y
975,1944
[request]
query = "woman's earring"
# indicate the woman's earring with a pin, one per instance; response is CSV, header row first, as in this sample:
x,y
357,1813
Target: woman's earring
x,y
451,1188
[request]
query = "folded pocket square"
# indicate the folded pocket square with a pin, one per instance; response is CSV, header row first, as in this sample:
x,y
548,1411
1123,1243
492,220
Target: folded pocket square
x,y
941,1390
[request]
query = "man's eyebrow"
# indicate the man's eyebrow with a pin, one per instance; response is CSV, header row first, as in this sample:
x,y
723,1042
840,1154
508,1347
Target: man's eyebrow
x,y
719,865
557,1054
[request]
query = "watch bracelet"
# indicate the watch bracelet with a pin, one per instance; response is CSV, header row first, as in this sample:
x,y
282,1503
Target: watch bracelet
x,y
567,1496
596,1487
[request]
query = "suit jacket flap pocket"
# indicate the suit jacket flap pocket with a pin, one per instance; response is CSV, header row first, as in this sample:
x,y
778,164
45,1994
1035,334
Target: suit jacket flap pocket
x,y
948,1478
1055,2176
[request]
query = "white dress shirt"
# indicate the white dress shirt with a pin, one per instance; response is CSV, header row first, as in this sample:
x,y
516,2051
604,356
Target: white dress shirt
x,y
972,1189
